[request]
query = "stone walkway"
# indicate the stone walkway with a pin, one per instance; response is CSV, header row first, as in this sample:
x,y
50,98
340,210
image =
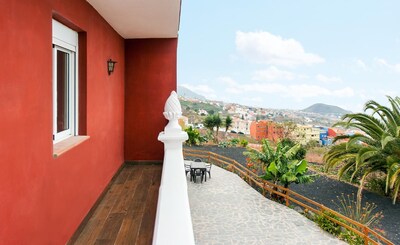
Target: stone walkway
x,y
226,210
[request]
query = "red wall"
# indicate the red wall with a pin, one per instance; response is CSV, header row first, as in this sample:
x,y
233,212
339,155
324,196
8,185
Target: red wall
x,y
43,199
150,75
266,130
331,132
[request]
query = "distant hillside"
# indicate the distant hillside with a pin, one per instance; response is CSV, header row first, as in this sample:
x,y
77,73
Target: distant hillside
x,y
326,109
187,93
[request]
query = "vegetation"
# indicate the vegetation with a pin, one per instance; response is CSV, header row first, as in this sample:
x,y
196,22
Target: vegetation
x,y
196,106
223,144
228,123
281,165
377,150
211,122
194,136
243,142
335,229
288,128
234,141
352,208
325,109
300,154
327,224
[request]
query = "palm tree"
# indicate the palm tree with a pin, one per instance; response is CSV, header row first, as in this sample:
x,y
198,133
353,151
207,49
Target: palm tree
x,y
377,150
228,123
209,122
217,124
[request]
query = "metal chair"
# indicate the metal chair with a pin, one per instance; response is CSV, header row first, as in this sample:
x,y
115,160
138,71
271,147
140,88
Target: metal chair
x,y
187,168
208,169
197,173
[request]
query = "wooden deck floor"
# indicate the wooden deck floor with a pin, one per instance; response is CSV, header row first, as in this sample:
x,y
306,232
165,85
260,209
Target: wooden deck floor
x,y
126,214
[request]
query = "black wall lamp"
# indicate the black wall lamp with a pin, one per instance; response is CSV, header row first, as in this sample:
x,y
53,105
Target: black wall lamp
x,y
110,66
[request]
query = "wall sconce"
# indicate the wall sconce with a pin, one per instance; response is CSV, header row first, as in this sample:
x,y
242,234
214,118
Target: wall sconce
x,y
110,66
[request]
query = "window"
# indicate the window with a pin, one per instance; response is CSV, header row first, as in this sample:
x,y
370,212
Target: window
x,y
65,53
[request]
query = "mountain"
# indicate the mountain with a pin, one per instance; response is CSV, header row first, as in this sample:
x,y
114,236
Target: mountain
x,y
326,109
187,93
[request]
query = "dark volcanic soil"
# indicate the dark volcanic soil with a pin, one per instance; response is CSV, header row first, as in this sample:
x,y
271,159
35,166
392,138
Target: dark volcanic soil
x,y
324,190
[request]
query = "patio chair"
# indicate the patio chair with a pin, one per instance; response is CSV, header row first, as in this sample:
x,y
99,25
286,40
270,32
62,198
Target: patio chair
x,y
208,169
187,168
197,173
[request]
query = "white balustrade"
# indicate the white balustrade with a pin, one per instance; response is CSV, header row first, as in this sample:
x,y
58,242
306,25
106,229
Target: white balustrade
x,y
173,221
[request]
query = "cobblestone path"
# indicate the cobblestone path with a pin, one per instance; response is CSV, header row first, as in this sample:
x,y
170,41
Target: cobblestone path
x,y
225,210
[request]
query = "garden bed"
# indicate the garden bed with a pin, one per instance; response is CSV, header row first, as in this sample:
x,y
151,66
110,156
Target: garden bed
x,y
325,190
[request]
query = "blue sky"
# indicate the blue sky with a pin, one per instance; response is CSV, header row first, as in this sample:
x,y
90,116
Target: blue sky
x,y
290,54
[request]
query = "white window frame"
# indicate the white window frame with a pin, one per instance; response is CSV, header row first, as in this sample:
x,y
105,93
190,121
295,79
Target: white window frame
x,y
66,40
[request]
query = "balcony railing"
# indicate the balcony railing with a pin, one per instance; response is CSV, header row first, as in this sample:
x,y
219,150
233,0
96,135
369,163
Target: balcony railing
x,y
173,221
369,236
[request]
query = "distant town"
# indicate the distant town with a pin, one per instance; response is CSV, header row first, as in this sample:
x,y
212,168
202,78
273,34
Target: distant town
x,y
313,124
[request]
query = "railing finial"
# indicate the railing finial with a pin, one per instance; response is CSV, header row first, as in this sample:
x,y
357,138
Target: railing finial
x,y
172,112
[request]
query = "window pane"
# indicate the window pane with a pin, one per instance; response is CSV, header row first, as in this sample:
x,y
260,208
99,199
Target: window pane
x,y
62,91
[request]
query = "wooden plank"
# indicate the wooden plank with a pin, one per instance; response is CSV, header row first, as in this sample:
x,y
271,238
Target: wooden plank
x,y
130,226
149,215
85,221
95,223
126,215
111,227
129,229
127,192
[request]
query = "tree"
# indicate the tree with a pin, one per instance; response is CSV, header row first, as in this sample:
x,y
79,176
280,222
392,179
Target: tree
x,y
377,150
228,123
288,128
217,124
209,122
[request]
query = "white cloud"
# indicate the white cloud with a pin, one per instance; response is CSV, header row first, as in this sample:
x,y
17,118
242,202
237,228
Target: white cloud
x,y
273,73
392,93
227,81
266,48
361,64
297,91
328,80
202,89
393,67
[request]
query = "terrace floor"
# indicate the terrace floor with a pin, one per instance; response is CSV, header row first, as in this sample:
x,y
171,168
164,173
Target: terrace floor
x,y
226,210
126,214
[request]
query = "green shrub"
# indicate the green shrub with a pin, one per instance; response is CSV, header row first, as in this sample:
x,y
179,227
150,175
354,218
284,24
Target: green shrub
x,y
327,224
243,142
223,144
234,142
376,185
194,136
351,237
335,229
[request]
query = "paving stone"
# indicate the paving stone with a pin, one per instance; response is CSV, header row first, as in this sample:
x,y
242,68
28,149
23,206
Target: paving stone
x,y
226,210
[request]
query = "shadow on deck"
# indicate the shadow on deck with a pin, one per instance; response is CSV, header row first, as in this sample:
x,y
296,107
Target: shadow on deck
x,y
126,212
